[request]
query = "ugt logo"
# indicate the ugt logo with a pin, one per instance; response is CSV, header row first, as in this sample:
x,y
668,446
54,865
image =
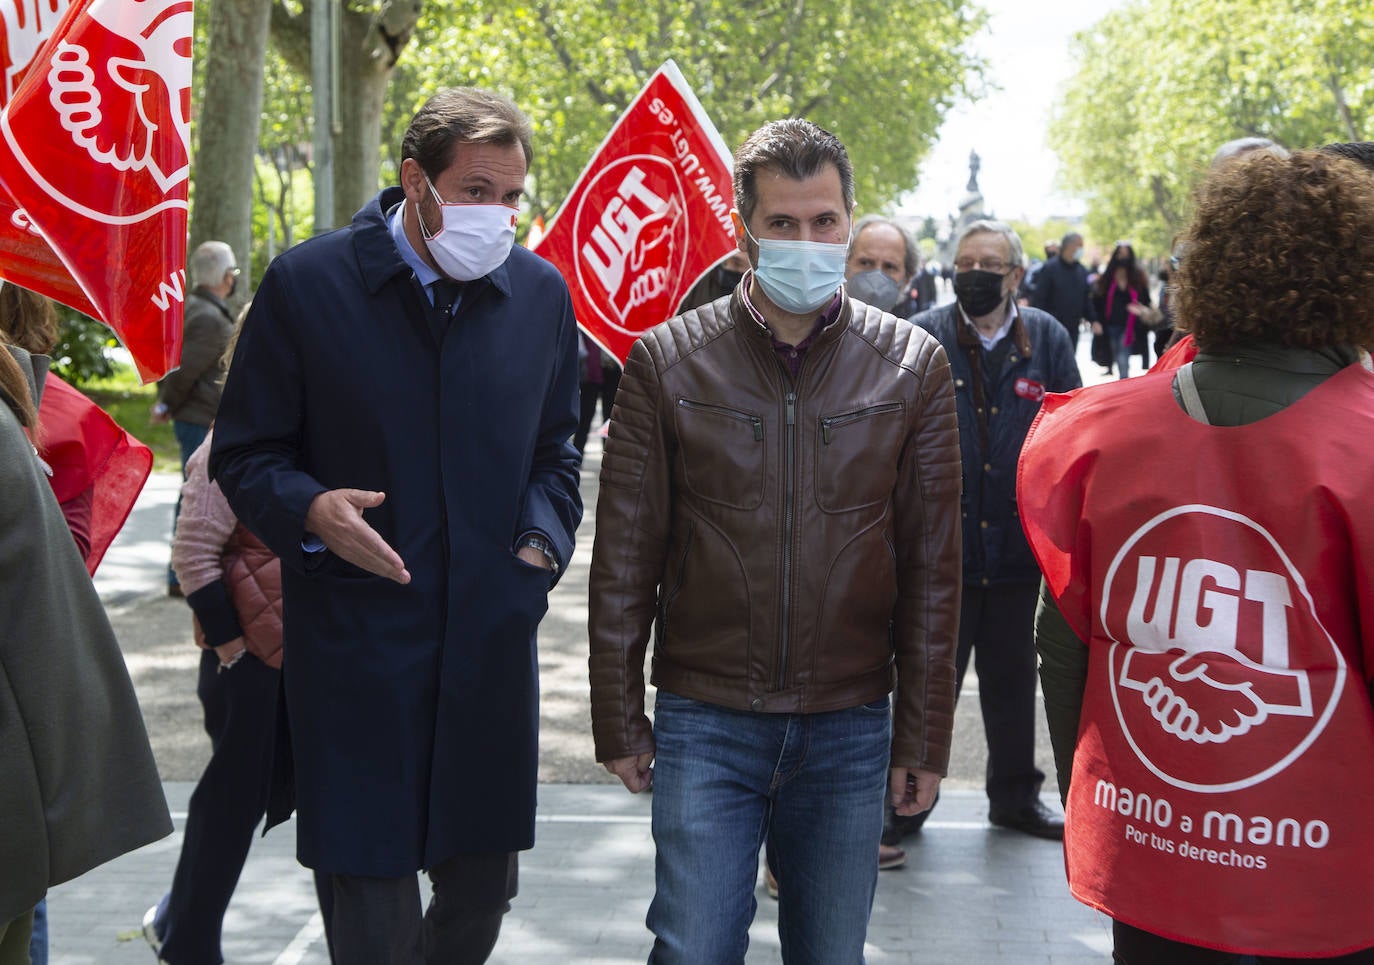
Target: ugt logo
x,y
1209,646
118,83
630,242
24,25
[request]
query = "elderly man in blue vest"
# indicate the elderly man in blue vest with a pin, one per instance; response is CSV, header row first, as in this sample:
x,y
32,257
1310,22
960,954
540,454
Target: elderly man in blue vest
x,y
1004,359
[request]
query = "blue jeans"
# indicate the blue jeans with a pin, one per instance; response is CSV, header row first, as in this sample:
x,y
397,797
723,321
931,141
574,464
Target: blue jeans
x,y
1121,352
811,785
38,943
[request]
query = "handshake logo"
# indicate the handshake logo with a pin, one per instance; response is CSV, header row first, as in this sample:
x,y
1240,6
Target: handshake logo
x,y
1208,655
1211,696
632,228
118,89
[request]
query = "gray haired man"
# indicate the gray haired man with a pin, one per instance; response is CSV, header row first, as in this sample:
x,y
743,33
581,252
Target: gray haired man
x,y
188,396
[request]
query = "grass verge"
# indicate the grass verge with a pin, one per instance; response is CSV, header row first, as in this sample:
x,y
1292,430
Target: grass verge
x,y
128,401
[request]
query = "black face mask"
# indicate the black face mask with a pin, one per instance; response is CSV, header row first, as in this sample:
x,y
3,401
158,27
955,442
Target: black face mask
x,y
979,292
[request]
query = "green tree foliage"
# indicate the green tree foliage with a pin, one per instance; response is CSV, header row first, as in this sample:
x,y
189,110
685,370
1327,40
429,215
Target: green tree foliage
x,y
283,202
1160,84
880,75
82,346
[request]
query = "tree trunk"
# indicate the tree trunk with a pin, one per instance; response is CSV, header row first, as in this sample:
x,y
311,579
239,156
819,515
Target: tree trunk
x,y
227,130
1342,105
370,44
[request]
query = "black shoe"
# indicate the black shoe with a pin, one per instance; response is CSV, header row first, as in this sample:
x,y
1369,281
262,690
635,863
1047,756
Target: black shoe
x,y
1033,819
897,828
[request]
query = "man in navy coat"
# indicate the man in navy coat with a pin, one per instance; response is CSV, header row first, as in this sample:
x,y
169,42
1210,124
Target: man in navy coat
x,y
410,463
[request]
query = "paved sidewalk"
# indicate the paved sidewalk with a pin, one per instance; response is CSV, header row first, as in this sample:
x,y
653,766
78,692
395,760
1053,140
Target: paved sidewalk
x,y
969,894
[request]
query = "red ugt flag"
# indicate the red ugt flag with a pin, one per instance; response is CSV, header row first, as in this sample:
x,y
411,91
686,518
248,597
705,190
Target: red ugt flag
x,y
647,218
95,160
25,258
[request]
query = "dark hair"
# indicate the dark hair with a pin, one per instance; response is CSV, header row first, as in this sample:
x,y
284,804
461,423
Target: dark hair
x,y
1361,152
1137,277
1280,250
463,115
1069,239
27,319
795,148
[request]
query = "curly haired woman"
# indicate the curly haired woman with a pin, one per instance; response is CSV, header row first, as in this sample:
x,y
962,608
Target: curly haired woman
x,y
1207,641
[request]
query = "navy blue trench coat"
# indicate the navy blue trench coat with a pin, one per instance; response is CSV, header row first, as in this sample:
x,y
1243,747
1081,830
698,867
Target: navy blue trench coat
x,y
413,710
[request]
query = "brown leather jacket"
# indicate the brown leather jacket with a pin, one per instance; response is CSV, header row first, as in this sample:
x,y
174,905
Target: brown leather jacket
x,y
791,545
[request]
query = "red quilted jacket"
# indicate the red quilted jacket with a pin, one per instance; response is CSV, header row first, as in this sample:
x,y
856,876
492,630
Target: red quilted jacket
x,y
252,575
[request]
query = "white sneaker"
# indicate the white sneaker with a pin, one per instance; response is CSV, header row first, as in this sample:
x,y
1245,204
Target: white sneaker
x,y
150,931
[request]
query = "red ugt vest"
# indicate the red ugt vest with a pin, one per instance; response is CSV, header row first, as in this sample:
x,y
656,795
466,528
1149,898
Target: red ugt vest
x,y
1224,580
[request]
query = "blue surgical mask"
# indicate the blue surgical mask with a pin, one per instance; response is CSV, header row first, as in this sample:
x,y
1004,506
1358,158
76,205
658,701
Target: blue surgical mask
x,y
799,276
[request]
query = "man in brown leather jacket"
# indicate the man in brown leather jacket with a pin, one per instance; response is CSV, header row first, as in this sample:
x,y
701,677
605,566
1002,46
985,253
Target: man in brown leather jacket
x,y
779,505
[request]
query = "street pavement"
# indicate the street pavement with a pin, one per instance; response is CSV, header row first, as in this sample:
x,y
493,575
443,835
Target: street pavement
x,y
969,893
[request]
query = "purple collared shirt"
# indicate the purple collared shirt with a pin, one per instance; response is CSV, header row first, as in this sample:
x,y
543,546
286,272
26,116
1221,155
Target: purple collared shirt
x,y
792,356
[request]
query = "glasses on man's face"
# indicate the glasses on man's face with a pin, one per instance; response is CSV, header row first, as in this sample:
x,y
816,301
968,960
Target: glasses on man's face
x,y
994,265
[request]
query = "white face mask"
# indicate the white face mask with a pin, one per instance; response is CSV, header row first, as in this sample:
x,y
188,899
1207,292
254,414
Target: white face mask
x,y
473,240
799,276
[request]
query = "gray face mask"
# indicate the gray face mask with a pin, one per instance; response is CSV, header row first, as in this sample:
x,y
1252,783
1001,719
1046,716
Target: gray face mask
x,y
876,289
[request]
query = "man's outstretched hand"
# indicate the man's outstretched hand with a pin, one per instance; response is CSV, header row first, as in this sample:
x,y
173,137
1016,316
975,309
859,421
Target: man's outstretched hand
x,y
336,516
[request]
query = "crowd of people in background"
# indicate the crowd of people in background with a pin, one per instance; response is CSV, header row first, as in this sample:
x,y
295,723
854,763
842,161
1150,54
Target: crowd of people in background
x,y
824,493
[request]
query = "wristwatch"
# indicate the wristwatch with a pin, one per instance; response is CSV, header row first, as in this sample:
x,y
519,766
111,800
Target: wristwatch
x,y
544,546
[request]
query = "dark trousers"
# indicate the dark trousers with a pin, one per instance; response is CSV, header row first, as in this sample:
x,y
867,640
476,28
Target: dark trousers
x,y
225,808
1073,329
996,627
377,921
14,940
1134,946
593,392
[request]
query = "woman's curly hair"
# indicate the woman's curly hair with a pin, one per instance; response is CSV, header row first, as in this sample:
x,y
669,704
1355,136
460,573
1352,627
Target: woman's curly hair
x,y
1280,250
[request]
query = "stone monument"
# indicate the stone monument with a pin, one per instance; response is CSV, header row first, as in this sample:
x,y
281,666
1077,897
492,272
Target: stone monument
x,y
970,209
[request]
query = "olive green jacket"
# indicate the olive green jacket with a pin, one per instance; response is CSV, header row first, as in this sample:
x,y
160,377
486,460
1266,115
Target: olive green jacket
x,y
78,785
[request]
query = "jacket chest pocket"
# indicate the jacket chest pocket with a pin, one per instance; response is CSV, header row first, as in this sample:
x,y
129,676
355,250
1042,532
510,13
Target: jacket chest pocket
x,y
722,453
856,456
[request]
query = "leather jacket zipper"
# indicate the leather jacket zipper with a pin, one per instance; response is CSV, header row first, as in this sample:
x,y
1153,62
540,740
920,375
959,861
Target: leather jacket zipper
x,y
832,422
789,496
735,414
668,598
